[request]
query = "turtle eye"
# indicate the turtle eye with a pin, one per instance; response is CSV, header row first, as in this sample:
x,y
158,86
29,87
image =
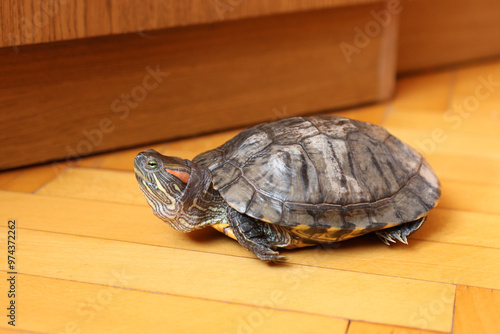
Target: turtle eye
x,y
152,164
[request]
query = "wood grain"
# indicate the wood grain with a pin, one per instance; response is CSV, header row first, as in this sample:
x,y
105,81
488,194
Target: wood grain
x,y
429,91
461,227
458,167
64,306
34,21
471,197
82,97
437,33
479,124
98,185
477,91
245,280
477,310
422,260
8,177
30,179
440,140
433,33
79,230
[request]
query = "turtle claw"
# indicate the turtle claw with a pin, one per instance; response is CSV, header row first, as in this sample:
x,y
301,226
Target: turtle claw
x,y
385,237
400,237
271,258
383,240
264,253
403,239
400,232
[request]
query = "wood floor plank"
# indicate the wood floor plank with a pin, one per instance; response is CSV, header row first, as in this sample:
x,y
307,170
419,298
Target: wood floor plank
x,y
477,92
462,168
108,220
469,77
447,142
477,310
61,306
6,177
461,227
30,179
93,161
428,91
423,260
96,184
357,327
469,196
350,295
484,124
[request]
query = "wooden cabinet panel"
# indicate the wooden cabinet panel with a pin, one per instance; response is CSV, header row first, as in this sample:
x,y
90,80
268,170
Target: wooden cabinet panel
x,y
75,98
36,21
440,32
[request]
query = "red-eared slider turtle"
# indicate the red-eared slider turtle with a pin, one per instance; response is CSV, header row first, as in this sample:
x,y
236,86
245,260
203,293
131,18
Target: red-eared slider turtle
x,y
295,182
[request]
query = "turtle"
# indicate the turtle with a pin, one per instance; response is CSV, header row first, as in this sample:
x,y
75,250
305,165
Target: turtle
x,y
295,182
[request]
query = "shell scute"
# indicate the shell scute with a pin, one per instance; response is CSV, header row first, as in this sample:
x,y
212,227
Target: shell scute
x,y
297,214
407,158
212,158
376,132
248,147
384,212
408,204
265,208
278,177
329,156
337,128
225,174
374,166
240,192
331,217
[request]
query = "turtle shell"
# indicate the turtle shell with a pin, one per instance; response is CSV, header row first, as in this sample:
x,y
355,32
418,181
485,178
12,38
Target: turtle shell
x,y
323,173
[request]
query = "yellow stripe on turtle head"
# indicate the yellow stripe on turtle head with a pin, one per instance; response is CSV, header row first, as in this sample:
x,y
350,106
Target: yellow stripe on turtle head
x,y
172,200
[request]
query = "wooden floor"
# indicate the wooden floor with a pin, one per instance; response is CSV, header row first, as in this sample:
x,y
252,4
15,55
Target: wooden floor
x,y
92,258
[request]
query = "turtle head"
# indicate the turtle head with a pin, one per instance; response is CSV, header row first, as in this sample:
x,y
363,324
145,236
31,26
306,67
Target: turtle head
x,y
172,186
163,181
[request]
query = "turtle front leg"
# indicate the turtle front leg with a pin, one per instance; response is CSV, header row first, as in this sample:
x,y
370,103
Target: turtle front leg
x,y
258,237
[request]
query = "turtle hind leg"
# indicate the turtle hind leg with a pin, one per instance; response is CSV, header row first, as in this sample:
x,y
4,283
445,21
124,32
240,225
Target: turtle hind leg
x,y
258,237
400,232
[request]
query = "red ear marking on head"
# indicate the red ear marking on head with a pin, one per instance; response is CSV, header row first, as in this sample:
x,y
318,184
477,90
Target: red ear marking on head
x,y
183,176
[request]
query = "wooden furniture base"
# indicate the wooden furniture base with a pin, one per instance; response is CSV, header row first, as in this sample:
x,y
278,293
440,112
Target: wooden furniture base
x,y
75,98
